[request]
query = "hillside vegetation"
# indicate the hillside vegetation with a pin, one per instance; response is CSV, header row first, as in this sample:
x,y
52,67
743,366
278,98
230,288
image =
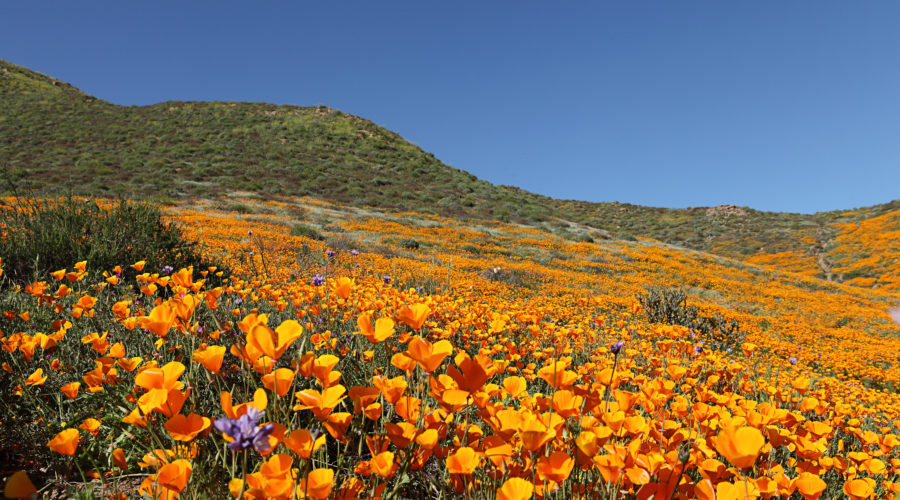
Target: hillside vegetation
x,y
57,139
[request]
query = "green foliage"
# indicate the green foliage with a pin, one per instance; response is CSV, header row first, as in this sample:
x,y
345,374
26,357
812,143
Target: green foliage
x,y
409,244
306,231
671,307
54,138
44,236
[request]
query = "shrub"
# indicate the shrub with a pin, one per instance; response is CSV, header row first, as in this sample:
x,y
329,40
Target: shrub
x,y
44,236
306,231
409,244
671,307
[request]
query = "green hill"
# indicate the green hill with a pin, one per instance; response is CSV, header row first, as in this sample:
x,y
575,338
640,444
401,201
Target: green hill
x,y
55,139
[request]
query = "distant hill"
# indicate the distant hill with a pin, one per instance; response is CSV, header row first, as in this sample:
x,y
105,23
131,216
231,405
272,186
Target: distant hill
x,y
55,139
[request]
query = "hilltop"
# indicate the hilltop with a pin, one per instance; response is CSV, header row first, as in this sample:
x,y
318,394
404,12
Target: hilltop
x,y
55,139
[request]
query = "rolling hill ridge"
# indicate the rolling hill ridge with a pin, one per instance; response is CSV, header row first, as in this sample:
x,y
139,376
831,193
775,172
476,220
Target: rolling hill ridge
x,y
55,139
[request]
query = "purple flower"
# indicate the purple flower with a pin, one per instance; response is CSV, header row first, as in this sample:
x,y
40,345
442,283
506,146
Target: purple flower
x,y
698,349
616,347
386,279
329,253
354,252
318,280
245,430
166,270
792,360
249,232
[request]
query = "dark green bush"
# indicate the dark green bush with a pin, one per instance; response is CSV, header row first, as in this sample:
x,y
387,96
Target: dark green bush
x,y
44,236
671,307
409,244
306,231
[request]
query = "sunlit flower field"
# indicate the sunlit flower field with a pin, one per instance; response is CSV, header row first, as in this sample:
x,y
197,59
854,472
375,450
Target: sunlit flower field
x,y
413,356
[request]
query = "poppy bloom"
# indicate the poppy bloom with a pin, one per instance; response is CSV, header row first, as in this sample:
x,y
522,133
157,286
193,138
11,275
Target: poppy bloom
x,y
36,378
19,486
515,488
463,461
317,484
414,316
66,442
740,446
186,428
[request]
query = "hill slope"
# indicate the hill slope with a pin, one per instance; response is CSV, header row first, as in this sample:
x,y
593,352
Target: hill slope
x,y
57,139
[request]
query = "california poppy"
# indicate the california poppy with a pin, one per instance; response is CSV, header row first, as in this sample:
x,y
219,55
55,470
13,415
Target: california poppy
x,y
66,442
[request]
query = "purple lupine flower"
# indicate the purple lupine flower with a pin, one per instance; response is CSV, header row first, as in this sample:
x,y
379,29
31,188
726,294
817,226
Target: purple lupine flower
x,y
354,252
698,349
792,360
166,270
386,279
318,280
616,347
246,431
329,253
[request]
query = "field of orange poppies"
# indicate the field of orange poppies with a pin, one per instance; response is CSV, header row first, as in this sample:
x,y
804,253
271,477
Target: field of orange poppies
x,y
401,355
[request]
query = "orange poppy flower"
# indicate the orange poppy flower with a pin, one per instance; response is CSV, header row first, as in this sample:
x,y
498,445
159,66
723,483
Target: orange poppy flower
x,y
186,428
401,434
515,488
321,403
741,446
342,287
70,389
36,378
317,484
66,442
210,357
118,456
858,489
19,486
429,356
463,461
160,320
260,402
262,341
555,467
301,442
92,425
383,464
169,481
414,316
279,381
384,328
514,386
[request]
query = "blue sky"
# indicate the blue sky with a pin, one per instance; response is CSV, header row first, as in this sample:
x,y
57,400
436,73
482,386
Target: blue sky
x,y
787,106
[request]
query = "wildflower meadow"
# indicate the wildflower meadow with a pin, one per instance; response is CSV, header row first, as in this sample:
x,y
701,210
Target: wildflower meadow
x,y
374,354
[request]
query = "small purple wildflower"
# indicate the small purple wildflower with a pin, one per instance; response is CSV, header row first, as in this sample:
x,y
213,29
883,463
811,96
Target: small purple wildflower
x,y
329,253
318,280
616,347
792,360
386,279
698,349
166,270
246,431
354,252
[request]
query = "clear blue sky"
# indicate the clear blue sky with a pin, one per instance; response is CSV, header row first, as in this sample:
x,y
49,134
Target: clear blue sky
x,y
776,105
